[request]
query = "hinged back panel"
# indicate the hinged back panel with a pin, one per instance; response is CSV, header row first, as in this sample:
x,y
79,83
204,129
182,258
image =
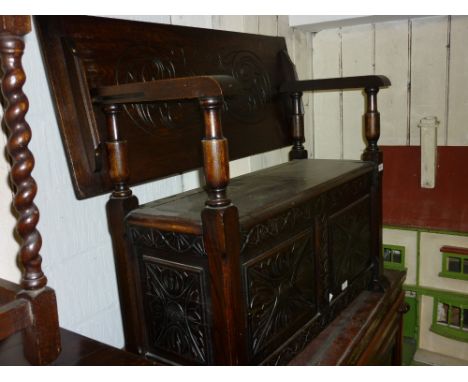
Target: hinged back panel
x,y
163,139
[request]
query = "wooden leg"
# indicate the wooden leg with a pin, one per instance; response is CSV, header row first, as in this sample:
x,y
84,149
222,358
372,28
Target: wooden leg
x,y
41,340
373,154
117,209
222,246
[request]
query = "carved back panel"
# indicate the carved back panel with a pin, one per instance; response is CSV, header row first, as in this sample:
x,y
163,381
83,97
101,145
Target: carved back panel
x,y
163,139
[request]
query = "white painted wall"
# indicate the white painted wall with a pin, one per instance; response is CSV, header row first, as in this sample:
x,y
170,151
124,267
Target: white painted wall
x,y
426,60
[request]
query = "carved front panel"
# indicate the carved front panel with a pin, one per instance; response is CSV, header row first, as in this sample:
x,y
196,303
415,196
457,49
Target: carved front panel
x,y
349,243
280,294
176,317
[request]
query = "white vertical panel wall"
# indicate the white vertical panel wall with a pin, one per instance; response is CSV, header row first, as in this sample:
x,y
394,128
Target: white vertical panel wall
x,y
77,249
426,60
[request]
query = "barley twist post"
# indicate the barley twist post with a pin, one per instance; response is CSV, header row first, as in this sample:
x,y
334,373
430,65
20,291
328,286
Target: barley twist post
x,y
11,51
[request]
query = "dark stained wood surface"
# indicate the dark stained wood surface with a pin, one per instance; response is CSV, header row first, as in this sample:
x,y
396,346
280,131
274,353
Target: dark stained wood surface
x,y
268,190
77,350
357,82
82,53
17,25
358,333
167,90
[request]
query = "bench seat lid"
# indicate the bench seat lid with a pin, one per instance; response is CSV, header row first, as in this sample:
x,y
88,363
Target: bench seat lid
x,y
256,194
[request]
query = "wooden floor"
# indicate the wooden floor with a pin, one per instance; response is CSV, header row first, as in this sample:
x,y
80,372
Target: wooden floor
x,y
77,350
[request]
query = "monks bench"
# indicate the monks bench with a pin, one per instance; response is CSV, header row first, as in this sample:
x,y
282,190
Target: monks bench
x,y
242,271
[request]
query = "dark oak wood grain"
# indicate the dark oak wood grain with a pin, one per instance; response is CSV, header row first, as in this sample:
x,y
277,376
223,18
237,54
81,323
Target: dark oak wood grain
x,y
356,82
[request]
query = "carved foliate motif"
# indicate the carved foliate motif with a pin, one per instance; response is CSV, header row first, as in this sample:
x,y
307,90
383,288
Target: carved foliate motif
x,y
173,241
286,221
143,64
176,318
280,293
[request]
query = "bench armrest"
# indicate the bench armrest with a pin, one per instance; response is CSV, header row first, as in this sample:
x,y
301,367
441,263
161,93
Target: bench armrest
x,y
358,82
195,87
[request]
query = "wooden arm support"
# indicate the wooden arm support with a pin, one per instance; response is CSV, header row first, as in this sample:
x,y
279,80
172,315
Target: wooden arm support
x,y
196,87
295,89
341,83
209,90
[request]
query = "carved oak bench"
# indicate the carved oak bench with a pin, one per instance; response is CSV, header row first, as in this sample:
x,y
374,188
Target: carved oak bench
x,y
247,270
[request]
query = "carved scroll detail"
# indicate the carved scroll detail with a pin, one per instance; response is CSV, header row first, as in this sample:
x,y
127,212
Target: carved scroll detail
x,y
142,64
247,68
11,50
174,241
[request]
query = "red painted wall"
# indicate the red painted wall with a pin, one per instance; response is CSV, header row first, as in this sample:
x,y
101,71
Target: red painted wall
x,y
405,203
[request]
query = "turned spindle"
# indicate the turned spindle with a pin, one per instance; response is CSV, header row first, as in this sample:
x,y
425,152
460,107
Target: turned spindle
x,y
215,153
297,123
372,126
372,153
116,153
11,51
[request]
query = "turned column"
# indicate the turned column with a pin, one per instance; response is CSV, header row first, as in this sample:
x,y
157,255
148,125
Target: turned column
x,y
41,337
221,236
215,153
297,123
372,153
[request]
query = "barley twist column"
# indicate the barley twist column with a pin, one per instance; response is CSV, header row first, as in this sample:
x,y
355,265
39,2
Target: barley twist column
x,y
11,51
